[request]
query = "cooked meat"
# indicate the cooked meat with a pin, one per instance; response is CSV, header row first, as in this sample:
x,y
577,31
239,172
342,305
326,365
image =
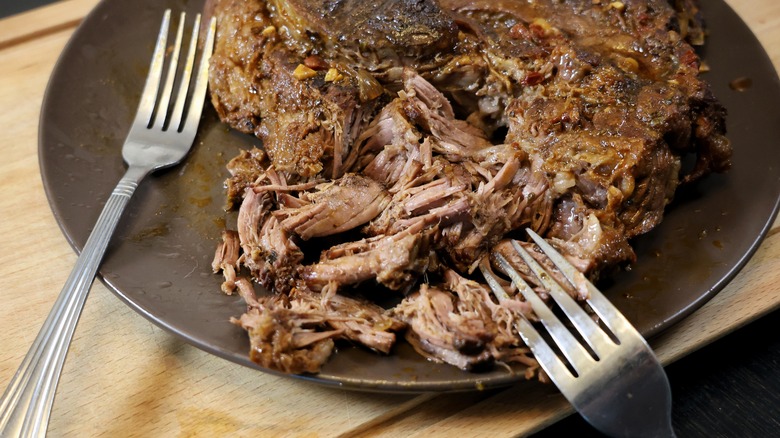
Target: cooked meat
x,y
335,207
285,340
375,35
226,260
606,100
463,324
413,151
394,261
443,171
244,169
296,334
504,312
307,121
268,249
450,326
357,320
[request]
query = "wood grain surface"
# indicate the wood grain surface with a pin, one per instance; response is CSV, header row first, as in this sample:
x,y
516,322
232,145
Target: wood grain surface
x,y
126,377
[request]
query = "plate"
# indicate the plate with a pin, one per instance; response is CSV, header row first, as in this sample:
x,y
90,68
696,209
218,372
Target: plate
x,y
159,260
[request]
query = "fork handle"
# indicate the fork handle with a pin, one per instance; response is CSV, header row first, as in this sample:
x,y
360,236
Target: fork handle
x,y
26,404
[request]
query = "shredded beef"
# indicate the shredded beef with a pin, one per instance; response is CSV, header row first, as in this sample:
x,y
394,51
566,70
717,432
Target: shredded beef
x,y
404,141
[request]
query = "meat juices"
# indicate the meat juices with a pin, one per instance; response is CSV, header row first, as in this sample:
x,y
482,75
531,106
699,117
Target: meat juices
x,y
404,140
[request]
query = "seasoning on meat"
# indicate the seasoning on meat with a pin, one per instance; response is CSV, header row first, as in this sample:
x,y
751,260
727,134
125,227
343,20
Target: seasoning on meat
x,y
404,140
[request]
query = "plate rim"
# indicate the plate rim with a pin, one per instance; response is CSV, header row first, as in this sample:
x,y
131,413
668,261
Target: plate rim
x,y
363,384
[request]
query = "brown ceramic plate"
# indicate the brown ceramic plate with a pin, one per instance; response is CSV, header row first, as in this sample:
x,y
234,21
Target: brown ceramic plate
x,y
159,261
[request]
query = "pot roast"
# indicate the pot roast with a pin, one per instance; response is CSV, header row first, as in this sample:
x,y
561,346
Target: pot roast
x,y
404,140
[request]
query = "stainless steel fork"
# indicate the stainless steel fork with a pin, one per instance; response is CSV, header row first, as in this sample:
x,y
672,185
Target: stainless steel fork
x,y
617,383
160,137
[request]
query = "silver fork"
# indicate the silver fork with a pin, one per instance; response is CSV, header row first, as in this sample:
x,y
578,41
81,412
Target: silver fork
x,y
160,137
618,385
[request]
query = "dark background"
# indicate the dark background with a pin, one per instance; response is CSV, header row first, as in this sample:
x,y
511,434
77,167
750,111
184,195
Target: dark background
x,y
730,388
11,7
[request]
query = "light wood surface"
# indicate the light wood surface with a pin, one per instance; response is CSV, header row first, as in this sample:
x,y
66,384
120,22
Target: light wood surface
x,y
126,377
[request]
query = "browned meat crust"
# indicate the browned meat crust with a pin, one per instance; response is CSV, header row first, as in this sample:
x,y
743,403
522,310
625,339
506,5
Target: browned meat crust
x,y
256,88
422,133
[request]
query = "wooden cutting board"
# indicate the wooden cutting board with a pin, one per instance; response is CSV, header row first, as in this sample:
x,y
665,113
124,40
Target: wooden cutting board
x,y
126,377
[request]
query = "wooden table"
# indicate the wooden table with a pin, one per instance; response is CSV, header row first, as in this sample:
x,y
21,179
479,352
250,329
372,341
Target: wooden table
x,y
126,377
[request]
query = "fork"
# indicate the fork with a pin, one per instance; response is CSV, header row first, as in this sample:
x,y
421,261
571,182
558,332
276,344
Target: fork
x,y
617,384
160,137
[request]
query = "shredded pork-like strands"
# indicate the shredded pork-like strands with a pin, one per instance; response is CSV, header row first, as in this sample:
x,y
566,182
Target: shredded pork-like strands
x,y
584,161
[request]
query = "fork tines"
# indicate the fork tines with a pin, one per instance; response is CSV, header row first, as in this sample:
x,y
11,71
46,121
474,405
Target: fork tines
x,y
560,280
612,378
154,110
573,351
